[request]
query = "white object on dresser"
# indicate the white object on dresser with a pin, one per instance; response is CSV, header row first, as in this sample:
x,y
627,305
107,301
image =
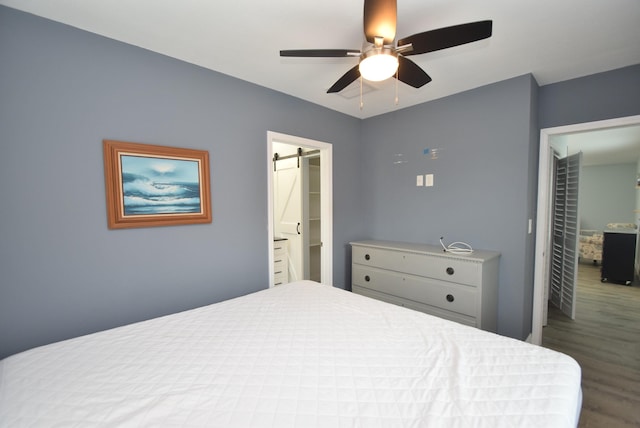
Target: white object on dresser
x,y
462,288
280,261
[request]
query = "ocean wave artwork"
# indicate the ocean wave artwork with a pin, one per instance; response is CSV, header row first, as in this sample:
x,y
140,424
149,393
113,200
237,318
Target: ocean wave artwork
x,y
153,185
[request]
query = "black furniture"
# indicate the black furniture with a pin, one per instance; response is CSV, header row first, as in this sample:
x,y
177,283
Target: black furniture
x,y
618,257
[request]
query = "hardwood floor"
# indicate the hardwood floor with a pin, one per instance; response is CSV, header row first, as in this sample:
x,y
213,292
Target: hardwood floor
x,y
605,340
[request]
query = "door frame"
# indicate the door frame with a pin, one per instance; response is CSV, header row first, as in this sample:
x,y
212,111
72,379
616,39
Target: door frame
x,y
326,200
545,193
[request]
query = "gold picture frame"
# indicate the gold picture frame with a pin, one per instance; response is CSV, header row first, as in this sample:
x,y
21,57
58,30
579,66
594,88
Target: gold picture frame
x,y
149,185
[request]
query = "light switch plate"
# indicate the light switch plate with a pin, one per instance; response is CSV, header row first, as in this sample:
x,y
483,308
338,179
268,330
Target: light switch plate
x,y
428,180
419,180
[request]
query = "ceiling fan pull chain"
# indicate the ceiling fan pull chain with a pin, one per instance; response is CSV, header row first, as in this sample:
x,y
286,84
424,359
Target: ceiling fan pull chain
x,y
397,86
361,102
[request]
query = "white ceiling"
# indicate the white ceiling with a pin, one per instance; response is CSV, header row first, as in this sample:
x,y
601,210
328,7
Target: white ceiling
x,y
609,146
554,40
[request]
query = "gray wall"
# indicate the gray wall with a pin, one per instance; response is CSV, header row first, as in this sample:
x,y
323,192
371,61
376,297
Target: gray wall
x,y
62,272
483,182
607,195
591,98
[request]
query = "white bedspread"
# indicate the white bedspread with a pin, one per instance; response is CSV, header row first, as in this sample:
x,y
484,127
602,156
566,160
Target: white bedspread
x,y
298,355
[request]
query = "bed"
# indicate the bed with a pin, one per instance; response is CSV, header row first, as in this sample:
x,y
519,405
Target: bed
x,y
297,355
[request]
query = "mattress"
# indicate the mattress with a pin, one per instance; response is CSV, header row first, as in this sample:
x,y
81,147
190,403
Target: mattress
x,y
297,355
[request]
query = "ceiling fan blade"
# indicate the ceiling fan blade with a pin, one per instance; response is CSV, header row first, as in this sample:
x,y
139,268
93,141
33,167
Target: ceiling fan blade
x,y
318,53
447,37
410,73
349,77
380,17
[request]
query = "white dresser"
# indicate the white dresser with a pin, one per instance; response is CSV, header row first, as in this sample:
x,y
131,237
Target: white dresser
x,y
280,262
462,288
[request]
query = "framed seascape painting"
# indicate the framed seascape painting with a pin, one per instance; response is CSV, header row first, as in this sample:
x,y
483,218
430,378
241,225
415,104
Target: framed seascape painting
x,y
148,185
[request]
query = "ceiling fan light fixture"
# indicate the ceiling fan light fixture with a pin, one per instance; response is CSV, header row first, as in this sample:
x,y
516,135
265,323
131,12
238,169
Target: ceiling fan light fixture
x,y
378,64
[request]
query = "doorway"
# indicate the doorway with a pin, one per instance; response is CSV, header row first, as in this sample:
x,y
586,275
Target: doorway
x,y
300,207
543,231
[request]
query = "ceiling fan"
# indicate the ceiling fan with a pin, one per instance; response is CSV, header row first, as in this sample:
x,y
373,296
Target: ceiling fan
x,y
379,59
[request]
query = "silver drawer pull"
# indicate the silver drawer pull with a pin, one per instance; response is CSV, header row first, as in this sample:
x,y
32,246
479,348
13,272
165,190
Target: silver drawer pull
x,y
450,271
276,273
450,298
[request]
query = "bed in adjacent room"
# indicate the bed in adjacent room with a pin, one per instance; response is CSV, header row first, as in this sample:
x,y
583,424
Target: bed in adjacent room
x,y
297,355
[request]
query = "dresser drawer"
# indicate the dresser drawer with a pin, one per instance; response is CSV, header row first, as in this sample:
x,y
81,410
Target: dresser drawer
x,y
280,279
279,259
448,296
279,267
280,248
440,267
417,306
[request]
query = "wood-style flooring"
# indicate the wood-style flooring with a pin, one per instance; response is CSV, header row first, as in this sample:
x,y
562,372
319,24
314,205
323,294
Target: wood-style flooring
x,y
605,340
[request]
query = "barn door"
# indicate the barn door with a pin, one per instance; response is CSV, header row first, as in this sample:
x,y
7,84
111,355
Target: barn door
x,y
565,226
287,194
